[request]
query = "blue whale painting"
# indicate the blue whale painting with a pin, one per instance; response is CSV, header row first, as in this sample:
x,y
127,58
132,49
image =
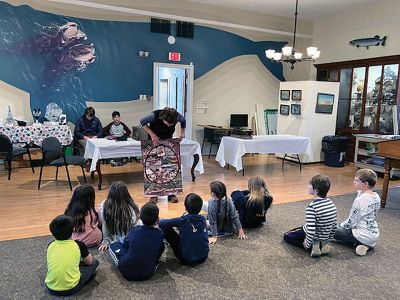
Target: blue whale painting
x,y
70,60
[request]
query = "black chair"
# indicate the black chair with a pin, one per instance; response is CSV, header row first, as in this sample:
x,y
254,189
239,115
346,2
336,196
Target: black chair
x,y
53,155
211,136
76,147
8,151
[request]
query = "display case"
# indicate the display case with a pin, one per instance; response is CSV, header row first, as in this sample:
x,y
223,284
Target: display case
x,y
366,149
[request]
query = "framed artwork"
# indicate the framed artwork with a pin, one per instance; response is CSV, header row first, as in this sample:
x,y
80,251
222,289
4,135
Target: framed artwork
x,y
324,103
285,94
284,109
295,109
296,95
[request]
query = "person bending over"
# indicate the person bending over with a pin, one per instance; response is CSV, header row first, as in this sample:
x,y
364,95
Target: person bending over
x,y
160,125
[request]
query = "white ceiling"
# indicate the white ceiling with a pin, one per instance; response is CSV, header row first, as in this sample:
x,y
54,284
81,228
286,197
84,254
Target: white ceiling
x,y
308,9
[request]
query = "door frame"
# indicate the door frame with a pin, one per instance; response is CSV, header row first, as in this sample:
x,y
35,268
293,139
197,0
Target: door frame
x,y
189,91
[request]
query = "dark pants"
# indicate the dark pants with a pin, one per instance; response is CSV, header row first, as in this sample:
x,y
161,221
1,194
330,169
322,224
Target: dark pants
x,y
346,236
173,239
87,274
116,251
295,237
239,200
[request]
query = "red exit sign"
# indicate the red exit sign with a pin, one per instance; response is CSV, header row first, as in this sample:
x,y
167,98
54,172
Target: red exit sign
x,y
174,56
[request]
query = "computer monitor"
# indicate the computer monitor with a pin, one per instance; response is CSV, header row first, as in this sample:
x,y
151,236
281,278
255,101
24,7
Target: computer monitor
x,y
239,120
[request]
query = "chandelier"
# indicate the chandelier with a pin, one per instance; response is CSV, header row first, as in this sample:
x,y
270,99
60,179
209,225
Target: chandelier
x,y
289,54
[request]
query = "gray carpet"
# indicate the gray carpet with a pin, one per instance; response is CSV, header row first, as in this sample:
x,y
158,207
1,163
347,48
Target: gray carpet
x,y
259,268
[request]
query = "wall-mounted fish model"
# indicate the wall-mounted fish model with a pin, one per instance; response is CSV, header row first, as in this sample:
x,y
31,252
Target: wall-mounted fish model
x,y
367,42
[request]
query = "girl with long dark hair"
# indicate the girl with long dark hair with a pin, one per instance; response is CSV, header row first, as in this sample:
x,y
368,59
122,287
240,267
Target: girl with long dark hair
x,y
85,217
119,214
222,214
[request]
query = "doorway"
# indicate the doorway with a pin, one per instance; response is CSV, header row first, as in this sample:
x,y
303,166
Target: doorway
x,y
173,87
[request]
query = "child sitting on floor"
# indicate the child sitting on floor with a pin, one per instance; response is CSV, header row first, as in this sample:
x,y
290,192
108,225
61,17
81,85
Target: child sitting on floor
x,y
85,217
253,204
137,258
190,245
65,275
320,220
119,213
222,215
360,230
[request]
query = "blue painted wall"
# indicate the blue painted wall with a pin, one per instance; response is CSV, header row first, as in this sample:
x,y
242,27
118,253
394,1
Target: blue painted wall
x,y
35,57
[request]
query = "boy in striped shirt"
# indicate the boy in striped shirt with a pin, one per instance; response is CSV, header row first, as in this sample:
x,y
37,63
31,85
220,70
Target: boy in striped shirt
x,y
320,220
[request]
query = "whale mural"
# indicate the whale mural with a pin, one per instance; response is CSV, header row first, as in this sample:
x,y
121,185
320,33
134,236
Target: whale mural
x,y
69,60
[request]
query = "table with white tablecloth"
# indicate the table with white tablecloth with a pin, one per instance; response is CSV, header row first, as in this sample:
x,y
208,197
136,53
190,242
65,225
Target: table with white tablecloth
x,y
97,149
232,149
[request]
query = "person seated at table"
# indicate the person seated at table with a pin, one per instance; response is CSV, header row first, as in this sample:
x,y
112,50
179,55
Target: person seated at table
x,y
119,131
160,125
116,128
88,126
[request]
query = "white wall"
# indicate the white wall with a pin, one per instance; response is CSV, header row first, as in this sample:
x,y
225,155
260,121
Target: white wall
x,y
332,35
18,100
309,123
131,111
235,86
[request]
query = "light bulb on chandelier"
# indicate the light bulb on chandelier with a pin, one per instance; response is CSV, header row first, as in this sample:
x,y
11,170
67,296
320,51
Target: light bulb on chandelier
x,y
289,54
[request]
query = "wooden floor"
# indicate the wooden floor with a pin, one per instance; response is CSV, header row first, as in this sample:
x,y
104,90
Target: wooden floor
x,y
26,211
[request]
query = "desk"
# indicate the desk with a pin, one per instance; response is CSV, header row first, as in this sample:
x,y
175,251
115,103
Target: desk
x,y
213,134
390,150
223,130
97,149
36,134
232,149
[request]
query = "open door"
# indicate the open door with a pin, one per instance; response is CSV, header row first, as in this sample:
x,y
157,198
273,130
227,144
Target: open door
x,y
173,87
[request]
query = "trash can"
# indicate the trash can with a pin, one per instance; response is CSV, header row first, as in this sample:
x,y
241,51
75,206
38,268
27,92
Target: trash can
x,y
335,148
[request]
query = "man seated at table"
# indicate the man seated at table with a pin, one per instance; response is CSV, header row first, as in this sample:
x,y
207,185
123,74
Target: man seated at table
x,y
88,126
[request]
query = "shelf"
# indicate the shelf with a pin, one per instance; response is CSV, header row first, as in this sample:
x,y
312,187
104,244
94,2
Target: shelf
x,y
368,153
370,166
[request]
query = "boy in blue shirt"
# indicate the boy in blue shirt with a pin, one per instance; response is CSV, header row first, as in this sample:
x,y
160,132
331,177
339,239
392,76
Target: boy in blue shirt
x,y
137,258
190,246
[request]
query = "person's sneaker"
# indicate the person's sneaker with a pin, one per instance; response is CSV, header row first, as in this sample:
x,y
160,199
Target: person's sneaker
x,y
315,250
154,200
361,250
172,199
325,248
113,163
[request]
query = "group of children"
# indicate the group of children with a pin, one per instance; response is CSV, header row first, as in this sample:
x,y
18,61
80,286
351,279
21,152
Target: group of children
x,y
135,238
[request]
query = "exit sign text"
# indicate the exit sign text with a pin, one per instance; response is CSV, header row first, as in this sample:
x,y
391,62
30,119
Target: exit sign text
x,y
174,56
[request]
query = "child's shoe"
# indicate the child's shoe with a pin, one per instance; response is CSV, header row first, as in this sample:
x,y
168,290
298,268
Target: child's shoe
x,y
325,248
361,250
315,250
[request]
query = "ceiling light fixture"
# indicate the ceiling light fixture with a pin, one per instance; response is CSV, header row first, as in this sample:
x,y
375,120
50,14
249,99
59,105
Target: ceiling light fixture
x,y
289,54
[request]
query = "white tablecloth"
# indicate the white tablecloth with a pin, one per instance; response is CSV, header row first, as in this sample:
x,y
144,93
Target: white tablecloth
x,y
103,148
232,149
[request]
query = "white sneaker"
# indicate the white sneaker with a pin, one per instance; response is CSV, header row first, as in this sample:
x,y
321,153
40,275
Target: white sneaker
x,y
361,250
315,250
325,248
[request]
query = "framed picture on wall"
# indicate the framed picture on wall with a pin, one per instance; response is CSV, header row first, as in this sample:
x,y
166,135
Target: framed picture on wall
x,y
324,103
285,94
284,109
296,95
295,109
